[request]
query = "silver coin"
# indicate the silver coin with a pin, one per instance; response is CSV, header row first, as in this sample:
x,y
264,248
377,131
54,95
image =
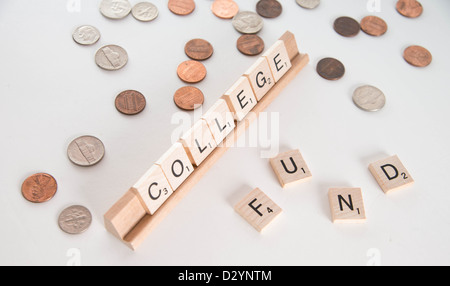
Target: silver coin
x,y
75,219
111,57
86,35
248,22
369,98
115,9
86,151
145,12
308,4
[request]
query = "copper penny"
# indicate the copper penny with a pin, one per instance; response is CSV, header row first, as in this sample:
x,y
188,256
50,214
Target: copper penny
x,y
269,8
330,69
39,188
189,98
225,9
409,8
182,7
198,49
250,45
417,56
130,102
374,26
191,71
346,26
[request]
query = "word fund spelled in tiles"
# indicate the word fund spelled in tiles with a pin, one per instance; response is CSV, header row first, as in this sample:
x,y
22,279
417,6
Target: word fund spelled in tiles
x,y
290,168
390,174
347,205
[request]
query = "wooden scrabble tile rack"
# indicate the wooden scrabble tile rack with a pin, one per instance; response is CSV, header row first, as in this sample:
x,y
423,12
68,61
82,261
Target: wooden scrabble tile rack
x,y
129,218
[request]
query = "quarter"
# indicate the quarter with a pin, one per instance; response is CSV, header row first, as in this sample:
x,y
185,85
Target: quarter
x,y
115,9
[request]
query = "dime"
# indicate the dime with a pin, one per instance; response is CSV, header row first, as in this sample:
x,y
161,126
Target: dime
x,y
75,219
417,56
86,35
225,9
188,98
409,8
308,4
145,12
111,57
374,26
182,7
115,9
269,8
86,151
198,49
330,69
369,98
130,102
191,71
248,22
346,26
39,188
250,45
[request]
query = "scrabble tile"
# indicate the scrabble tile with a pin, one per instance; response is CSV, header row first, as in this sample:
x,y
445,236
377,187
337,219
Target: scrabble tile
x,y
290,167
240,98
278,59
220,120
176,165
347,205
260,77
258,209
198,142
153,189
390,174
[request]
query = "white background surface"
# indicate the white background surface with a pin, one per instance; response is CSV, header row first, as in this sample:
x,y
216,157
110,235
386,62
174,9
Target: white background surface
x,y
52,92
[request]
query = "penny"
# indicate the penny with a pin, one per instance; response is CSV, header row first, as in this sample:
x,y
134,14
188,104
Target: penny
x,y
182,7
248,22
145,12
75,220
250,45
374,26
130,102
369,98
330,69
191,71
417,56
188,98
86,35
86,151
409,8
269,8
346,26
225,9
39,188
198,49
111,57
308,4
115,9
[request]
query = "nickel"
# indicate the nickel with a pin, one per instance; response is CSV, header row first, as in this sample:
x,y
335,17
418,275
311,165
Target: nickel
x,y
145,12
115,9
417,56
86,35
39,188
369,98
75,220
86,151
188,98
330,69
248,22
269,8
111,57
130,102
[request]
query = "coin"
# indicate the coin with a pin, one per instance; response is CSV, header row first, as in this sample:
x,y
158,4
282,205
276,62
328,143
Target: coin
x,y
308,4
248,22
250,45
39,188
409,8
198,49
145,12
346,26
369,98
86,151
330,69
86,35
182,7
75,219
225,9
188,98
374,26
191,71
111,57
417,56
130,102
115,9
269,8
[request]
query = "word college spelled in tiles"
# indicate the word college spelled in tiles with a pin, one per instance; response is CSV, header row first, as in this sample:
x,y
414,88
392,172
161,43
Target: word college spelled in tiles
x,y
290,168
390,174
